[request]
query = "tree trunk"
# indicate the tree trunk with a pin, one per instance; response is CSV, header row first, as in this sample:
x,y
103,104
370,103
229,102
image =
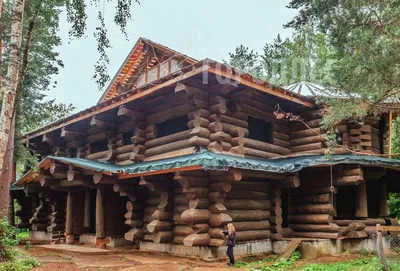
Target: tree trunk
x,y
8,103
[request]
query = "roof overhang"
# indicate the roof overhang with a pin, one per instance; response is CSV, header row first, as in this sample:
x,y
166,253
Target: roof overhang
x,y
207,160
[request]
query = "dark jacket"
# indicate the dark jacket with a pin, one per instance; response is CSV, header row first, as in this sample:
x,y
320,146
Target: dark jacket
x,y
231,239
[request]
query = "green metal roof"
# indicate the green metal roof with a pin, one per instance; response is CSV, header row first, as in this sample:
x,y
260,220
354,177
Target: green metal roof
x,y
221,162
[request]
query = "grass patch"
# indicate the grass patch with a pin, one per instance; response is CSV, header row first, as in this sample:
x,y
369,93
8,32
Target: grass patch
x,y
19,264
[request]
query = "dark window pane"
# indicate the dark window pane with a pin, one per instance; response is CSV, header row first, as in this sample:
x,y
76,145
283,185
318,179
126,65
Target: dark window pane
x,y
172,126
127,138
100,146
260,130
73,152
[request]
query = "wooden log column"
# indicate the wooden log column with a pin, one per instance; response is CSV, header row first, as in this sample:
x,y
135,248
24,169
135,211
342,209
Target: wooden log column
x,y
100,222
383,200
195,188
276,213
69,219
86,216
361,208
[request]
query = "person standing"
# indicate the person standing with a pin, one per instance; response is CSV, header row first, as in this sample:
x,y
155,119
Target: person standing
x,y
230,235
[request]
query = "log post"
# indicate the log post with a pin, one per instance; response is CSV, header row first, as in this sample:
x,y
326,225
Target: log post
x,y
361,200
69,219
86,221
100,233
383,200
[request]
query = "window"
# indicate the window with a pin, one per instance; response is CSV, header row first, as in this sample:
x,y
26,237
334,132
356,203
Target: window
x,y
260,130
172,126
345,202
100,146
73,152
127,137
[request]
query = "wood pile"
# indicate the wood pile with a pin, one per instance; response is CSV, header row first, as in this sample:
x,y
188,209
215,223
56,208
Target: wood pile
x,y
248,205
276,213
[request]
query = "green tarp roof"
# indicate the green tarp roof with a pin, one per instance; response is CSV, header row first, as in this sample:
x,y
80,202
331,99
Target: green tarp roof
x,y
215,161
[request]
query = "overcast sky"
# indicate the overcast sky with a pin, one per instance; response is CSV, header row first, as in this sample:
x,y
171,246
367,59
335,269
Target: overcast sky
x,y
200,29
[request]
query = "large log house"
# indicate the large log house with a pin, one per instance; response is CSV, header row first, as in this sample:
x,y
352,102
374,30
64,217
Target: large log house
x,y
177,148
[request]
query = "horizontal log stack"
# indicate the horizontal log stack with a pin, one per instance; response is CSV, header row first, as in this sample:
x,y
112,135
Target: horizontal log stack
x,y
130,136
310,213
28,205
306,137
249,207
276,213
181,204
243,145
185,100
220,186
135,212
42,215
196,188
57,215
161,226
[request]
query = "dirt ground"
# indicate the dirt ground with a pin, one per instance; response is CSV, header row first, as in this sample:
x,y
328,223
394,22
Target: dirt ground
x,y
135,260
127,260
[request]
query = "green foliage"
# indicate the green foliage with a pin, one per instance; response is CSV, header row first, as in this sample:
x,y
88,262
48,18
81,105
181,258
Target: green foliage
x,y
246,60
8,238
19,265
363,264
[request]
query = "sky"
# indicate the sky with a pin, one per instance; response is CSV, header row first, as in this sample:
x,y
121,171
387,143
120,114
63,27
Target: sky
x,y
198,28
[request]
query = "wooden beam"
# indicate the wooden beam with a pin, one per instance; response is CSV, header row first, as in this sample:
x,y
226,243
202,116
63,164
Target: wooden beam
x,y
69,217
361,201
159,172
86,216
390,133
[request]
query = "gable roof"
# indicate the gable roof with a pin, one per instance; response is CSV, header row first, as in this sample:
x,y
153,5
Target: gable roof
x,y
134,59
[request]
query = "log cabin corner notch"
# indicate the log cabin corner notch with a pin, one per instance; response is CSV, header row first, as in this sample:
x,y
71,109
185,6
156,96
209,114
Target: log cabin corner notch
x,y
179,158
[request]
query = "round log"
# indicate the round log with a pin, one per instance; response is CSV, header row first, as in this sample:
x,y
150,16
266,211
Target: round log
x,y
220,187
162,215
311,209
248,215
367,222
197,240
317,235
277,220
217,208
276,211
356,226
220,220
242,236
357,235
163,237
199,203
193,216
196,192
253,225
277,201
311,219
246,194
183,231
276,228
178,239
153,201
134,234
247,204
179,209
312,199
216,197
253,186
332,227
157,225
134,223
201,228
133,215
133,206
216,233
